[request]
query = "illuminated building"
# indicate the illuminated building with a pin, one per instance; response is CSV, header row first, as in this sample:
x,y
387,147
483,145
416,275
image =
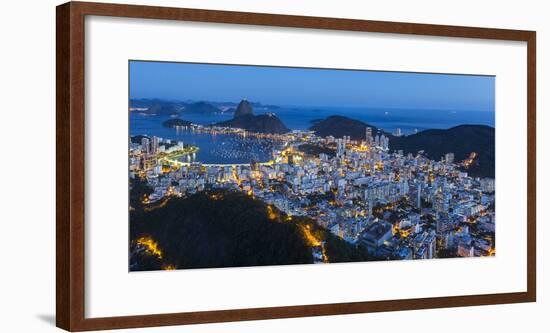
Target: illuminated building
x,y
154,144
487,185
449,158
398,132
465,250
376,234
368,136
145,146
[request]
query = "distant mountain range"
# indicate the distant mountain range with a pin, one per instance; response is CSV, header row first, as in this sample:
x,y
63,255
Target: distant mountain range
x,y
170,107
163,107
461,140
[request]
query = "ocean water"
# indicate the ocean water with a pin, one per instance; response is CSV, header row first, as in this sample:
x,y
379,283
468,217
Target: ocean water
x,y
215,149
387,119
232,149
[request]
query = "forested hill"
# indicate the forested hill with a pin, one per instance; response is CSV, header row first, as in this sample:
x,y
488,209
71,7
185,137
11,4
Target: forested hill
x,y
220,228
461,140
339,126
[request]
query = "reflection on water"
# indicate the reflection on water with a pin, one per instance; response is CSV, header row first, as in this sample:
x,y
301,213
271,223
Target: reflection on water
x,y
225,148
215,149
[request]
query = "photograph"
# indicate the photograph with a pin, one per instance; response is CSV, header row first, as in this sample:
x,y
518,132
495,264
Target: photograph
x,y
222,166
243,165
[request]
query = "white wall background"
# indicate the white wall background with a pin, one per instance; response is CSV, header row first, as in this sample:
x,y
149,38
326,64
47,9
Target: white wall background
x,y
27,167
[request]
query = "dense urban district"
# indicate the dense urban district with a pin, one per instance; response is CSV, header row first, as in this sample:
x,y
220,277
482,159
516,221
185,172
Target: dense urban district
x,y
319,199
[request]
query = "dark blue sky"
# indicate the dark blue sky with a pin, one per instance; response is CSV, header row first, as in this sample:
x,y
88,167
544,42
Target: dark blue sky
x,y
311,87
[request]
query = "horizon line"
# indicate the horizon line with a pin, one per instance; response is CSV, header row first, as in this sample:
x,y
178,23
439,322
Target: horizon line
x,y
181,100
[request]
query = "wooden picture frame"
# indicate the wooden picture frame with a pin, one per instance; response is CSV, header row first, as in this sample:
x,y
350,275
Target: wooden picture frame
x,y
70,139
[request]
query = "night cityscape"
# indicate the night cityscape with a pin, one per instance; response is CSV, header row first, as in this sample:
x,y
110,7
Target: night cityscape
x,y
243,189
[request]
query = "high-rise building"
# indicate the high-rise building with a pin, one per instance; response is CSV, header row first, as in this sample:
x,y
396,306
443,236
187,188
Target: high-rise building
x,y
419,195
430,245
145,146
154,144
449,158
441,204
398,132
404,187
368,136
370,205
487,184
384,142
341,148
376,234
465,250
415,194
255,166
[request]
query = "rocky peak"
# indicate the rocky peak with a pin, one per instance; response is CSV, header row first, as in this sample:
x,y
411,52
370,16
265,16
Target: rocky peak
x,y
243,109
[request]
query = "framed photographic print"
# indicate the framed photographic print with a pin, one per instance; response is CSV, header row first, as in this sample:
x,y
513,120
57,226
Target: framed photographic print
x,y
221,166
